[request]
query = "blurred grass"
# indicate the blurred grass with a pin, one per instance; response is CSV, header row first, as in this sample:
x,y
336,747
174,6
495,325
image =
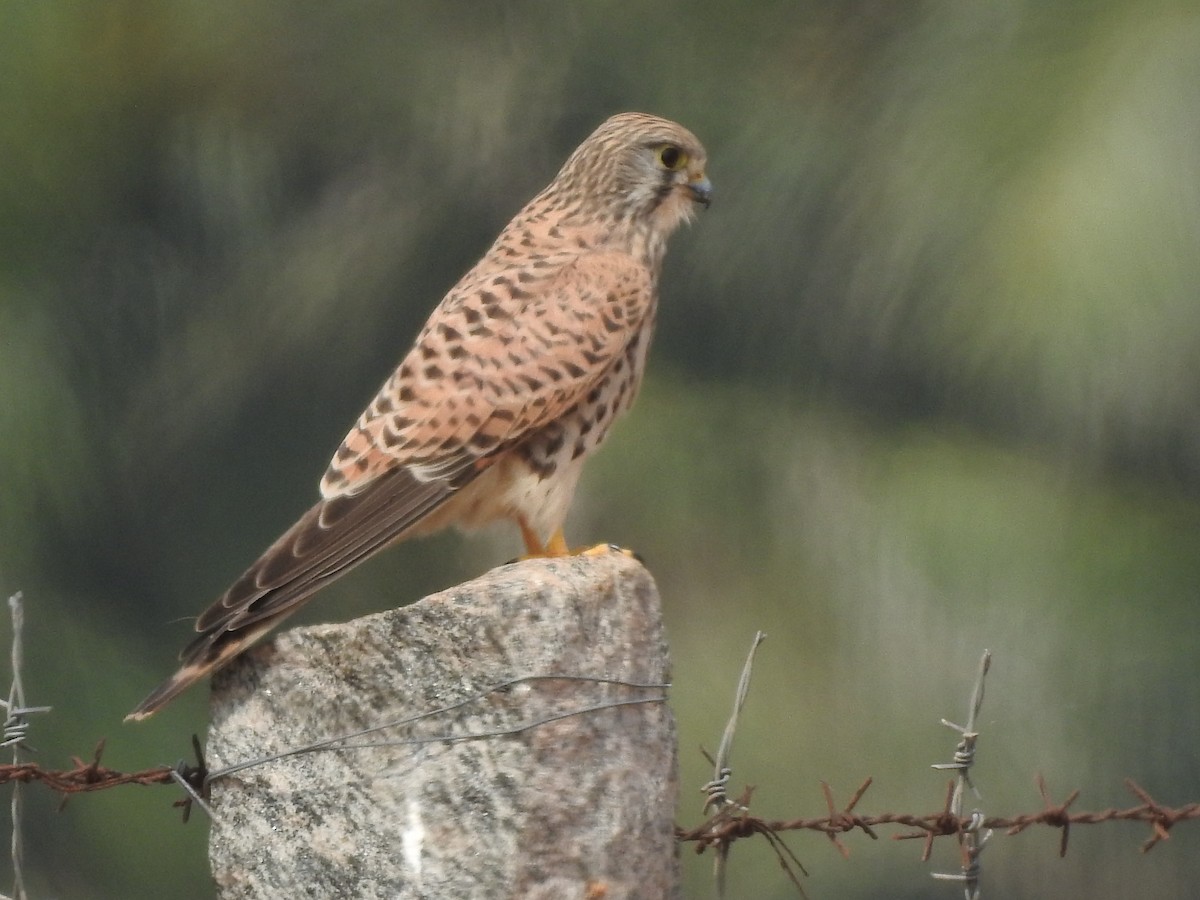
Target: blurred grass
x,y
882,561
924,382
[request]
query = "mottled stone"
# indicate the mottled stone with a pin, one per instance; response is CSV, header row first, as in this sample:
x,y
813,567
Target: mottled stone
x,y
581,807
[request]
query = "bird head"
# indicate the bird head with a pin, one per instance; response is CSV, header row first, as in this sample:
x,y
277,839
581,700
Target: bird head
x,y
643,169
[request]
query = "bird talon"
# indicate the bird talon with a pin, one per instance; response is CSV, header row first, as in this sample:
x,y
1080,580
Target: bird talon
x,y
593,550
601,549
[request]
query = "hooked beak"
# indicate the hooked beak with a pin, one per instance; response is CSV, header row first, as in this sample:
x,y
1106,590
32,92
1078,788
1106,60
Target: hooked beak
x,y
701,190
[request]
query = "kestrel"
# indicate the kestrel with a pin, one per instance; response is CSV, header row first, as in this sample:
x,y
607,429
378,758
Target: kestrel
x,y
514,380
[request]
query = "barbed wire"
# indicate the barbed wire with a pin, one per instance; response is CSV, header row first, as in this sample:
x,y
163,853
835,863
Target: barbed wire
x,y
714,790
83,777
942,823
733,820
86,777
972,841
196,778
15,731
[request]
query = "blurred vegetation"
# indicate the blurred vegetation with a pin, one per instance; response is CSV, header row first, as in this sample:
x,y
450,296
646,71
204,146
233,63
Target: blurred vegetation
x,y
925,382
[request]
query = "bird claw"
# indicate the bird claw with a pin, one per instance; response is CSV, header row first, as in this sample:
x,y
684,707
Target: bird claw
x,y
595,550
602,549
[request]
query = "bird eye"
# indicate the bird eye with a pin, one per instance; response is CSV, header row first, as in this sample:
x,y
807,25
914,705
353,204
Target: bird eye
x,y
672,157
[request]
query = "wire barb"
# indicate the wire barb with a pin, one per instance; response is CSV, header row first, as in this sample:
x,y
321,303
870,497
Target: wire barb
x,y
717,798
973,836
194,781
1161,818
732,818
846,819
16,725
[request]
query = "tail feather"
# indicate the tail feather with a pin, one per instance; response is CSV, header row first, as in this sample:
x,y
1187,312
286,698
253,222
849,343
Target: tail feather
x,y
332,537
201,664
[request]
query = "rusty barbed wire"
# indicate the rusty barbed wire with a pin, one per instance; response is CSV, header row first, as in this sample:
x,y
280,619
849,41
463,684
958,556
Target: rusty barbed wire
x,y
733,820
1159,817
83,776
86,777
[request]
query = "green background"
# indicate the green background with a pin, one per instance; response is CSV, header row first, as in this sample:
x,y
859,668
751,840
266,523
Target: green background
x,y
926,381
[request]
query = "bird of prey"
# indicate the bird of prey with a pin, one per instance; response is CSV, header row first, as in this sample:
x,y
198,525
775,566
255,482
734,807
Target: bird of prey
x,y
514,380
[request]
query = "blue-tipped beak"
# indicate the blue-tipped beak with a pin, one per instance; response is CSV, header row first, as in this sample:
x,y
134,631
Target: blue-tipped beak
x,y
701,189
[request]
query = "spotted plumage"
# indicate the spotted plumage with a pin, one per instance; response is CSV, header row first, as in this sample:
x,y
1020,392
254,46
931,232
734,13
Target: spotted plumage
x,y
514,380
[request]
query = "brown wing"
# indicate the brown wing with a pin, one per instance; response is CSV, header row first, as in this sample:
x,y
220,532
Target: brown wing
x,y
500,377
494,366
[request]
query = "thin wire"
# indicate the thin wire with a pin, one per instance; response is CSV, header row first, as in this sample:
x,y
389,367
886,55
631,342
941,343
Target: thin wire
x,y
715,790
339,742
16,711
974,837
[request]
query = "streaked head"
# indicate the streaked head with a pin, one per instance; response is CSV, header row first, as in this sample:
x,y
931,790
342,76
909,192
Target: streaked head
x,y
637,166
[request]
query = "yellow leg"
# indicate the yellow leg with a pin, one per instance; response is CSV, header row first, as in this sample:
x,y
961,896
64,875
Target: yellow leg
x,y
534,548
557,545
533,544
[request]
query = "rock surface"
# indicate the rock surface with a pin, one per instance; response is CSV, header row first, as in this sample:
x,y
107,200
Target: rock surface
x,y
578,807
